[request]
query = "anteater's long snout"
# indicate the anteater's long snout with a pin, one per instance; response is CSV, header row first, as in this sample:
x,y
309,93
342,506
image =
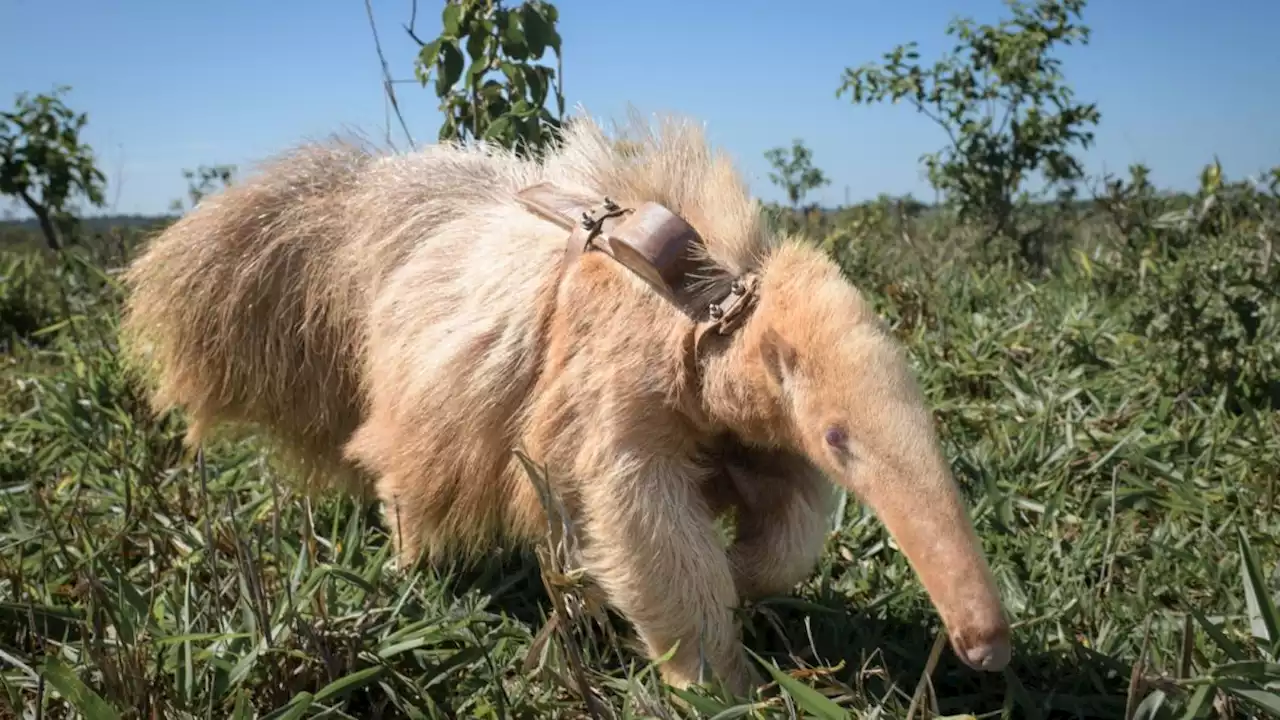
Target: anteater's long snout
x,y
927,520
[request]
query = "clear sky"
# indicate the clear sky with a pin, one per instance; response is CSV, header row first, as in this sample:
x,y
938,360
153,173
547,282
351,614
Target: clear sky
x,y
171,85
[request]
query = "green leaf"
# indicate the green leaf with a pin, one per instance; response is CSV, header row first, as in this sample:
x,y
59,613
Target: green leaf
x,y
513,38
515,76
451,64
429,55
245,665
450,19
537,31
134,610
51,329
499,130
736,711
1264,699
348,683
535,79
1255,669
806,697
1262,610
76,692
51,621
523,109
350,577
704,705
478,46
244,706
550,16
462,658
1150,706
1199,702
476,71
295,709
196,637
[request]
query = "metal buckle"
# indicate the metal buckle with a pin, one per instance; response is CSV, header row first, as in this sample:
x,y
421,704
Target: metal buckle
x,y
729,312
593,220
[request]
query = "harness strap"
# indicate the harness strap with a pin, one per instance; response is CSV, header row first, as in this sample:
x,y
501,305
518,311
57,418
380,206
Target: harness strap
x,y
652,242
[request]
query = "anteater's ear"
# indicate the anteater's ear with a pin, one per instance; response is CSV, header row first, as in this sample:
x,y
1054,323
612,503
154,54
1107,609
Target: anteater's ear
x,y
654,243
779,356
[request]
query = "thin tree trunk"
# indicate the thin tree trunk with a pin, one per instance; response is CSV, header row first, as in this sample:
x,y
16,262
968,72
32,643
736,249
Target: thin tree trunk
x,y
46,223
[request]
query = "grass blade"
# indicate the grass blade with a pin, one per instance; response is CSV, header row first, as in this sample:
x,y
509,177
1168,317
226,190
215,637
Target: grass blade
x,y
1263,619
76,692
806,697
349,683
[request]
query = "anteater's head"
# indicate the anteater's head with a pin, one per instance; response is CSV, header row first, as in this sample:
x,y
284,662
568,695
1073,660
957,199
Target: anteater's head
x,y
814,370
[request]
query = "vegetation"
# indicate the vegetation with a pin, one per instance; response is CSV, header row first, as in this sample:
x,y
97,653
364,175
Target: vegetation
x,y
1113,413
44,164
793,171
500,43
1006,109
204,180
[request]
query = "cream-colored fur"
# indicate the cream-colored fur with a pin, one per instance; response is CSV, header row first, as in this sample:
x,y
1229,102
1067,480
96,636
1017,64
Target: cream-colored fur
x,y
401,318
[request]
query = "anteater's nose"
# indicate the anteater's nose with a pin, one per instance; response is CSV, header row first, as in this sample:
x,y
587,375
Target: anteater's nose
x,y
984,648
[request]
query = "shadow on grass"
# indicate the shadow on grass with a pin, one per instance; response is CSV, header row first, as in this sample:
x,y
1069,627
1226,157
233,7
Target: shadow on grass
x,y
885,656
510,580
879,659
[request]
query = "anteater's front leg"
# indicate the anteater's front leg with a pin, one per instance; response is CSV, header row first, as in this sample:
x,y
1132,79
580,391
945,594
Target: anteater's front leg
x,y
653,549
784,508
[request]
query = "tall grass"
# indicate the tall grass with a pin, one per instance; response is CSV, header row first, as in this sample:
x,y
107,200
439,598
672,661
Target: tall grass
x,y
1114,418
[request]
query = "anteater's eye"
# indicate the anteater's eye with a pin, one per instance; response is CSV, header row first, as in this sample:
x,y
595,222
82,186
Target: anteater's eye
x,y
836,437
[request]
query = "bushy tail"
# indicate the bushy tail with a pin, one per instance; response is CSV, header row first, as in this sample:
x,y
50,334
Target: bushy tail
x,y
232,314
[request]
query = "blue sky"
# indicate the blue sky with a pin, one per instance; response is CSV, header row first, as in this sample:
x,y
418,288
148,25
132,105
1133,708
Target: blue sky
x,y
170,85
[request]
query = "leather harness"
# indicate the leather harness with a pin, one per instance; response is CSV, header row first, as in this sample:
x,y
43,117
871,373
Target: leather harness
x,y
654,243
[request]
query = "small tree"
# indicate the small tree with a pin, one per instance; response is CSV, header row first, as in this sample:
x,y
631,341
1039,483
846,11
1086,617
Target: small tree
x,y
203,181
794,171
44,164
501,40
1001,99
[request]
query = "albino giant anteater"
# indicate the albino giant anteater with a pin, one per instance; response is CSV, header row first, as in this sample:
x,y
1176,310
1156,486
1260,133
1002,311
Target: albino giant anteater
x,y
415,318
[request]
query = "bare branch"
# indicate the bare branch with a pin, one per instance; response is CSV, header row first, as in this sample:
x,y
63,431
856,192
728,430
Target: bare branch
x,y
387,84
115,201
413,21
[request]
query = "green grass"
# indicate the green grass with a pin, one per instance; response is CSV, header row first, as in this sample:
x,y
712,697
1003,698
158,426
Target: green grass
x,y
1114,422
